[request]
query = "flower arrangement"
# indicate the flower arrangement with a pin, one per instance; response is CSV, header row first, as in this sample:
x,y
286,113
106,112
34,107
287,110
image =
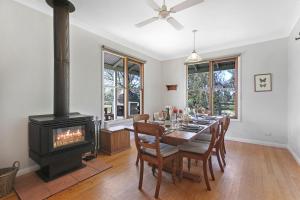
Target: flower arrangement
x,y
175,110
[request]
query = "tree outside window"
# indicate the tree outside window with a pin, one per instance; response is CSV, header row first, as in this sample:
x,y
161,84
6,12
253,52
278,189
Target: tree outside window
x,y
213,86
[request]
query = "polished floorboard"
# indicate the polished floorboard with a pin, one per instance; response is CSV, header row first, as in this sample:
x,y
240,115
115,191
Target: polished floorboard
x,y
253,172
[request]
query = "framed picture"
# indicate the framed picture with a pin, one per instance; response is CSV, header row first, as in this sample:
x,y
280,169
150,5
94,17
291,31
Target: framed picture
x,y
263,82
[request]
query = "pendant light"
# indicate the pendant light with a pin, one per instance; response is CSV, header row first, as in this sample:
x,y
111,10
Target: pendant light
x,y
194,57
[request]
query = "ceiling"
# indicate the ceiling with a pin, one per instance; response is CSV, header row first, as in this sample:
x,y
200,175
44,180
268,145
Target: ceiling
x,y
220,23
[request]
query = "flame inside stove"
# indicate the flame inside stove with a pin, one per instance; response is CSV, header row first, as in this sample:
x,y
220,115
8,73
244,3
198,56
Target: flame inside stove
x,y
67,136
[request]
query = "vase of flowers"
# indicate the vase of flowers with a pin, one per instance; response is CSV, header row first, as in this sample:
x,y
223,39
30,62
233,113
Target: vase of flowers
x,y
175,112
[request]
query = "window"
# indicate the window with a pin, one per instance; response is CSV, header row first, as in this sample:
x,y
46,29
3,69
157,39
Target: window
x,y
135,90
213,85
122,86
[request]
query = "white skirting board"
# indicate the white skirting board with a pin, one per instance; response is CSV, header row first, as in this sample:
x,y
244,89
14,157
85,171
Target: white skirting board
x,y
264,143
251,141
296,157
27,170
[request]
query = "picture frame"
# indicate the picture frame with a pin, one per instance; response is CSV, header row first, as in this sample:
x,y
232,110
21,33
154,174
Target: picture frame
x,y
263,82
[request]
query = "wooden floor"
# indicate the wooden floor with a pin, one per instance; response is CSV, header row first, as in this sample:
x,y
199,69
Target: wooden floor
x,y
253,172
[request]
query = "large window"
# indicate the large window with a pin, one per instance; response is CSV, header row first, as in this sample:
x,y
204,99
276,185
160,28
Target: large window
x,y
122,86
213,86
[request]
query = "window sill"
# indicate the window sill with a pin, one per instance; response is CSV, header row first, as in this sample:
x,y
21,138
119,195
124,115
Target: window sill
x,y
235,120
117,122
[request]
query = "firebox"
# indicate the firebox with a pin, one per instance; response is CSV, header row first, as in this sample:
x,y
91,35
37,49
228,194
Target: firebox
x,y
69,136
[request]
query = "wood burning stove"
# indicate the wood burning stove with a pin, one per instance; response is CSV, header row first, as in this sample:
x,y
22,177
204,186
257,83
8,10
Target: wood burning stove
x,y
57,141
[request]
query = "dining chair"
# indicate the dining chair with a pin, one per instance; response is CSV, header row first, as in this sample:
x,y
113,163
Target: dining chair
x,y
219,149
200,151
156,154
145,118
218,146
141,117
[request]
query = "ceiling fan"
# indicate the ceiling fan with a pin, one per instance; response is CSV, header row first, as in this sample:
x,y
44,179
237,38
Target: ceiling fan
x,y
164,12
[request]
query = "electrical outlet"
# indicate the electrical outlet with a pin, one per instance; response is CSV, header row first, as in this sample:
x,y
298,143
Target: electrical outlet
x,y
269,134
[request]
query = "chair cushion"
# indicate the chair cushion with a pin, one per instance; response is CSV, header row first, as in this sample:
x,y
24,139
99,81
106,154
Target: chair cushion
x,y
194,147
147,138
165,150
203,137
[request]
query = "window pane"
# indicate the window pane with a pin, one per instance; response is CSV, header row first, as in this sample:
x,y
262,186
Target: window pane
x,y
120,103
224,88
198,86
109,77
198,99
113,80
109,99
134,88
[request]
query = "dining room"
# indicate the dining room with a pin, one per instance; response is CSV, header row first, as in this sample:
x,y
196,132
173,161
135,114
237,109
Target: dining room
x,y
149,99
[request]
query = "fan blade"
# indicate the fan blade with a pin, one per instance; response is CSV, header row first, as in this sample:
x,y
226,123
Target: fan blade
x,y
175,23
153,4
184,5
147,21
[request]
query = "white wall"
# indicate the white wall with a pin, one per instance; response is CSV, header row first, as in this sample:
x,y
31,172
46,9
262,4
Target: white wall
x,y
26,75
294,93
261,113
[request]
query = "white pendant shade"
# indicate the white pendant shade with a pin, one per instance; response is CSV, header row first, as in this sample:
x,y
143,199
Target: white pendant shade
x,y
194,57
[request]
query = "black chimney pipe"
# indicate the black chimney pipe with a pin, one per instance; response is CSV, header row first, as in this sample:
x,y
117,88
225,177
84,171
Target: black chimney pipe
x,y
61,10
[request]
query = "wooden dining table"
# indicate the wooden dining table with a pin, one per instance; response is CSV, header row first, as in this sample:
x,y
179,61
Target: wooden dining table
x,y
178,137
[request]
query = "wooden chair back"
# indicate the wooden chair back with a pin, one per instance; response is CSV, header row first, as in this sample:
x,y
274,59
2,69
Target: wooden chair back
x,y
218,131
221,131
141,117
226,123
223,127
214,129
151,130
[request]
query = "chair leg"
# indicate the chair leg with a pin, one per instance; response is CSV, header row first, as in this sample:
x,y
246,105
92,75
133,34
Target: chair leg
x,y
137,159
219,159
205,175
180,168
158,181
222,152
141,173
173,171
211,169
224,146
189,164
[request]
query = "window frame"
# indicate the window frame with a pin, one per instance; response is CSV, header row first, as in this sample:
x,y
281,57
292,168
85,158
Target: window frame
x,y
237,98
126,59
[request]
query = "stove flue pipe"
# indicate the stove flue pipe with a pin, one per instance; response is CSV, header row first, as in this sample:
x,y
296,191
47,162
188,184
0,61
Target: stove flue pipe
x,y
61,10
